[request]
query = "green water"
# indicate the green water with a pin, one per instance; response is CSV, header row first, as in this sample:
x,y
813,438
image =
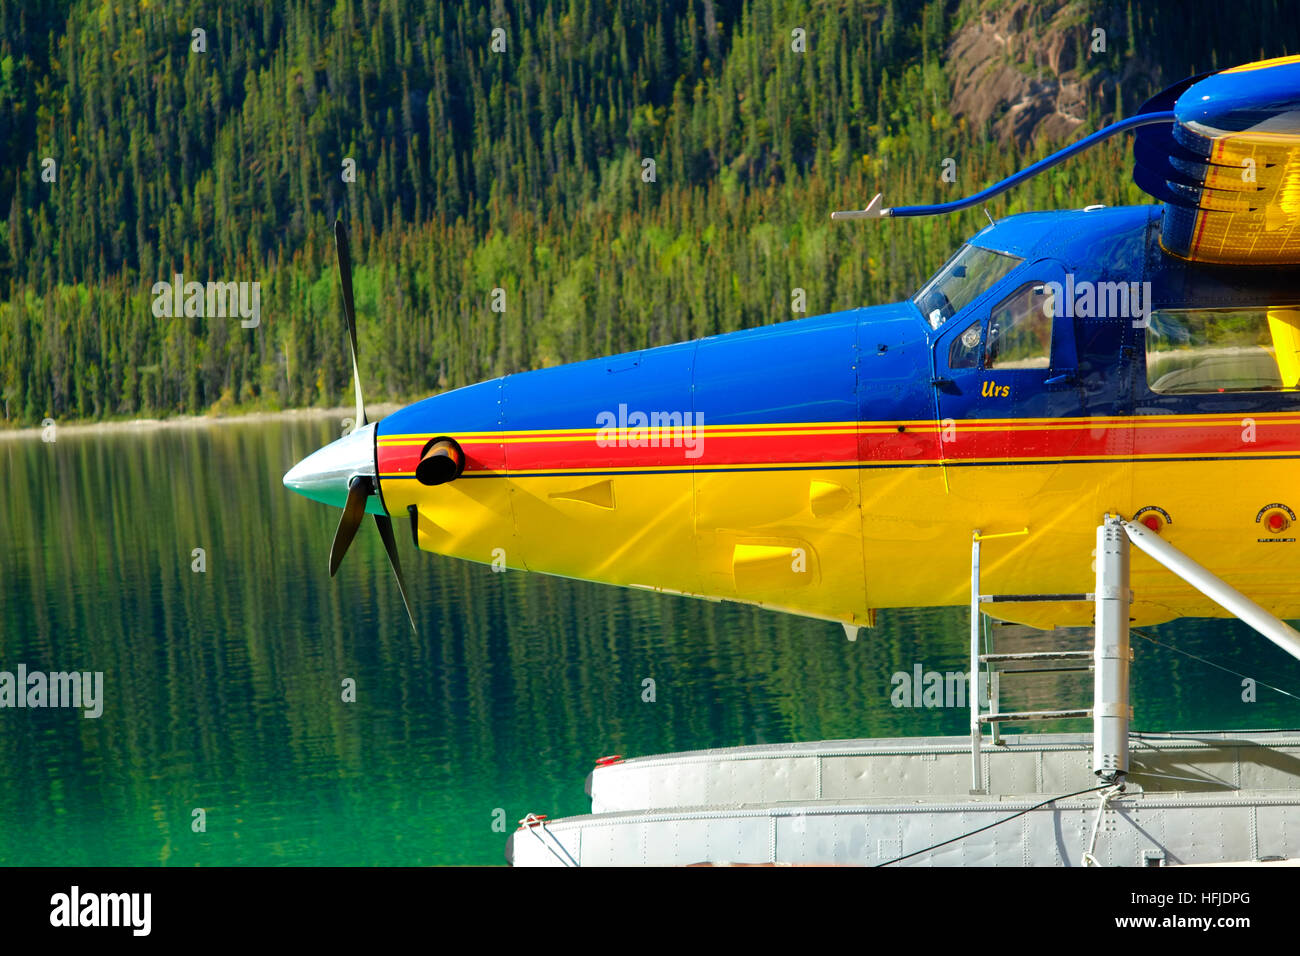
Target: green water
x,y
223,688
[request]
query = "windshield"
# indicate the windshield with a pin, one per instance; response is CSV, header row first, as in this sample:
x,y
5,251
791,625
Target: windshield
x,y
963,277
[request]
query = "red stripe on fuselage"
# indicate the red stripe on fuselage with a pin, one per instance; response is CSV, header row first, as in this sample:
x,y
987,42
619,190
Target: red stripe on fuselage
x,y
967,440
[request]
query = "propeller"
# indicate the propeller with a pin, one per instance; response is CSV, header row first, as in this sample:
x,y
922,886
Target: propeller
x,y
360,487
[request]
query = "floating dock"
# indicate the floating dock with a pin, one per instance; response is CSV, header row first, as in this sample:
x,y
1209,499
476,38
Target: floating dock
x,y
1188,798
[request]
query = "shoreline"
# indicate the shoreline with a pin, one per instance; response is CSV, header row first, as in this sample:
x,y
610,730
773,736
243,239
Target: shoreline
x,y
136,425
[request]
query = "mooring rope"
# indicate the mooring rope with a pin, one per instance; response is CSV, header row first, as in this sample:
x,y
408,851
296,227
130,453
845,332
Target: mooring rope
x,y
995,823
1203,660
1088,858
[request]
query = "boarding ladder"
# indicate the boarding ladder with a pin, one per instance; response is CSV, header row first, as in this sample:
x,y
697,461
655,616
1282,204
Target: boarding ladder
x,y
992,663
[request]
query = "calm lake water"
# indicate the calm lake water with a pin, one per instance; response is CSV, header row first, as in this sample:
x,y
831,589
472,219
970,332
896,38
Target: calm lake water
x,y
222,689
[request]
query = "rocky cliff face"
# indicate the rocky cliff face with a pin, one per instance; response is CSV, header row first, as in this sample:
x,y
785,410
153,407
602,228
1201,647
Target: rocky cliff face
x,y
1027,69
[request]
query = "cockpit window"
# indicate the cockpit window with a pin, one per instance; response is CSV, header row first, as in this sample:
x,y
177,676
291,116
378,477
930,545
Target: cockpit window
x,y
967,274
1020,329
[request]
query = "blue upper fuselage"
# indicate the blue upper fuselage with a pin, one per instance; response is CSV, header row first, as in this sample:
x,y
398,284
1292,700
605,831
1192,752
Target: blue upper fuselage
x,y
871,363
881,363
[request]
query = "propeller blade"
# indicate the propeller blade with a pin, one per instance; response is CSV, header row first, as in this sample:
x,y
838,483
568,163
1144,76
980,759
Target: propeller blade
x,y
360,488
349,313
349,521
385,525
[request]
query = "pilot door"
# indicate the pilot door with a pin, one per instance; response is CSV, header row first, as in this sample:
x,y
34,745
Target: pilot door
x,y
1006,372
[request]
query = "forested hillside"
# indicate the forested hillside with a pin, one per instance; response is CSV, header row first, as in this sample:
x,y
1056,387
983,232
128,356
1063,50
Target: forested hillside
x,y
513,160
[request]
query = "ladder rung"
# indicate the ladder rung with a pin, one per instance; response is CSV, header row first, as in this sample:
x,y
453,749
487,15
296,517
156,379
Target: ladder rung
x,y
1047,670
1027,598
1036,715
1037,656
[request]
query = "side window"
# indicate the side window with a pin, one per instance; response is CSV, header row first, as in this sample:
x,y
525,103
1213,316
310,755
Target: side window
x,y
966,348
1020,329
1196,351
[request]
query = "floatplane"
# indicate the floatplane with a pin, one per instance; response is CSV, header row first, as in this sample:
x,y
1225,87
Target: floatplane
x,y
1086,418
